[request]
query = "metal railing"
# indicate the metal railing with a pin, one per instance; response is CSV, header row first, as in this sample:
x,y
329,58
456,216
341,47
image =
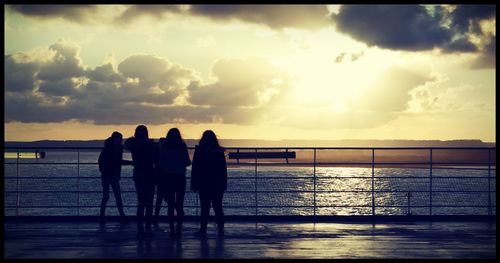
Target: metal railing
x,y
321,192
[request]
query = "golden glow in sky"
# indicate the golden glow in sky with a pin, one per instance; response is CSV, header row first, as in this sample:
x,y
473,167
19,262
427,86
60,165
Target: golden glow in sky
x,y
250,72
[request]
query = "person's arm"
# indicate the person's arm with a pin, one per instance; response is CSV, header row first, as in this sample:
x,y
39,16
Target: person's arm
x,y
123,162
127,162
129,143
101,161
224,171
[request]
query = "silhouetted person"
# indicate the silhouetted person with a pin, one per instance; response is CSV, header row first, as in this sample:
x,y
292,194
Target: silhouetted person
x,y
173,160
110,165
209,178
161,190
142,149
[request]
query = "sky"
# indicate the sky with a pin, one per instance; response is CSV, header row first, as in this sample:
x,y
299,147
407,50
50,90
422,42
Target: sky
x,y
80,72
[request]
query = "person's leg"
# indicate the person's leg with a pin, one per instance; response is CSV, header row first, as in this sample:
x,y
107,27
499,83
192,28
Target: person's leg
x,y
170,196
105,197
160,192
149,196
140,206
179,203
118,196
205,209
219,213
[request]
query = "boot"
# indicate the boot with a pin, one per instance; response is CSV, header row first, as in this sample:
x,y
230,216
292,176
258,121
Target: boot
x,y
140,231
179,229
220,229
202,232
172,230
156,219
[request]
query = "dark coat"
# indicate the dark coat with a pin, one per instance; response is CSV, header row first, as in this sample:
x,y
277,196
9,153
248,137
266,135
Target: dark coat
x,y
143,158
110,160
173,159
209,171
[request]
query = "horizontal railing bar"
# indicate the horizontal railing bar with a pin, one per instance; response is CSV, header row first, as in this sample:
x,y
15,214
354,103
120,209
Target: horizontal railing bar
x,y
275,191
274,177
297,206
291,163
277,148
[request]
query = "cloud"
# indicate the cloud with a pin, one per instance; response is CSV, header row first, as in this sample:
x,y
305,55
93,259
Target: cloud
x,y
19,75
152,71
354,56
156,11
274,16
60,88
251,82
105,73
65,63
467,17
140,89
64,87
487,58
416,27
408,27
391,90
149,89
340,57
381,102
74,13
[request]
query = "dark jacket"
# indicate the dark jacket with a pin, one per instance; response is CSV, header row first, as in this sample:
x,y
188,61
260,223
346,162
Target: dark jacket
x,y
209,171
173,159
110,160
143,154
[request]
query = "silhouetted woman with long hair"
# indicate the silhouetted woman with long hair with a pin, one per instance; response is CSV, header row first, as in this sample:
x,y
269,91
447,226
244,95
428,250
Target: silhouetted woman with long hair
x,y
142,149
173,160
209,178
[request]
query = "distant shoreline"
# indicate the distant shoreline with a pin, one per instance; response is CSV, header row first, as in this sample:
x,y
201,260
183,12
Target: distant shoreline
x,y
276,143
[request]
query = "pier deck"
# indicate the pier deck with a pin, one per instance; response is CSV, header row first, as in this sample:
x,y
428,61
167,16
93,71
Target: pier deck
x,y
248,239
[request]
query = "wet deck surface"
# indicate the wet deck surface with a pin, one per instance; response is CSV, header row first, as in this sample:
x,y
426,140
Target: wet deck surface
x,y
72,240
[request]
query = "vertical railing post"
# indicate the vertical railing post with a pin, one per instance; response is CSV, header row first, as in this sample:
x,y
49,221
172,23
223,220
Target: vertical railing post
x,y
197,197
17,184
489,183
238,159
430,181
286,150
314,184
373,181
78,182
408,211
256,199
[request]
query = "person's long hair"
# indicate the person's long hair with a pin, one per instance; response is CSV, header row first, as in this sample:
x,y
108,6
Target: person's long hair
x,y
209,140
174,139
141,132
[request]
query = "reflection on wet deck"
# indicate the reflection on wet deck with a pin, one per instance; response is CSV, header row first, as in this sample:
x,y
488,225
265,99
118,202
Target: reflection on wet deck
x,y
72,240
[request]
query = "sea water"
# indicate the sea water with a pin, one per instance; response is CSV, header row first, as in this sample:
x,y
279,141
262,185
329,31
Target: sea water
x,y
70,185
